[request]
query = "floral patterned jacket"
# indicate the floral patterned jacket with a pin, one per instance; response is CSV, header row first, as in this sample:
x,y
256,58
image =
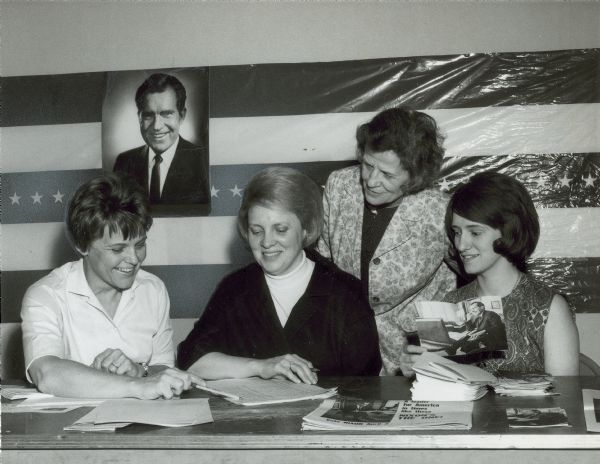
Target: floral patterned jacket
x,y
408,264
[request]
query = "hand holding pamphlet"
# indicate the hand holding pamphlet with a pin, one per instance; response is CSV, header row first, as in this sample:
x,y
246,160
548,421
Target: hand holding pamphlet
x,y
464,329
356,414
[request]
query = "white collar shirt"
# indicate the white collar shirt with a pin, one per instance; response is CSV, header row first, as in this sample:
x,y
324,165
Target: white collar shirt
x,y
167,158
62,317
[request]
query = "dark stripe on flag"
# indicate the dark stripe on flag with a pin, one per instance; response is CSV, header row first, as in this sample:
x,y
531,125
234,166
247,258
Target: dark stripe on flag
x,y
450,81
52,99
543,175
560,180
40,196
191,286
225,179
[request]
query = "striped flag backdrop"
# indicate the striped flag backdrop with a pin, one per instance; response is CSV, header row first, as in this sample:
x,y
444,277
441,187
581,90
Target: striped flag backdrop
x,y
532,115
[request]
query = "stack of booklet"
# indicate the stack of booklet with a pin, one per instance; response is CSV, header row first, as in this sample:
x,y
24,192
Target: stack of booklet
x,y
441,379
509,384
254,391
377,415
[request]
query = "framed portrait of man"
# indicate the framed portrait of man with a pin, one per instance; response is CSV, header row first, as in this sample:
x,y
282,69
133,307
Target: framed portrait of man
x,y
155,129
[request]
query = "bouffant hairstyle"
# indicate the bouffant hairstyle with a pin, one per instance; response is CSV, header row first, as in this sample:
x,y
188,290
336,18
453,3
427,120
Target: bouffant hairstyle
x,y
413,136
289,190
158,83
502,203
113,200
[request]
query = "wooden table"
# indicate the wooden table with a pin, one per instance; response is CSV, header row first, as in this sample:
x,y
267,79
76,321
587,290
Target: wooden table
x,y
272,434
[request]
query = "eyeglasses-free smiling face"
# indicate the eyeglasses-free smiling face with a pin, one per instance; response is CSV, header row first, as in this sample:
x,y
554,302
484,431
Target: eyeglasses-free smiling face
x,y
475,244
111,262
275,237
383,178
160,120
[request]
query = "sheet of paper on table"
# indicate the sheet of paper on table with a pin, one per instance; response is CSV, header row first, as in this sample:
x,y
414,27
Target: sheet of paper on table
x,y
49,404
591,409
254,391
20,392
355,414
167,413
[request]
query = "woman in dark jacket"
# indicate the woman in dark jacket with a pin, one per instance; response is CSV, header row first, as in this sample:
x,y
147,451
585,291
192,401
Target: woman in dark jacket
x,y
291,313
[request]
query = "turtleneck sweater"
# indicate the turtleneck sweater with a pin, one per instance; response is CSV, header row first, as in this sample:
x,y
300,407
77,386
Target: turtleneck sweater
x,y
287,289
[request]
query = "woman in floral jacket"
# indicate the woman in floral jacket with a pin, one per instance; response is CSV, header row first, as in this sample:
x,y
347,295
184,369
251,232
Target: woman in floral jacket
x,y
384,223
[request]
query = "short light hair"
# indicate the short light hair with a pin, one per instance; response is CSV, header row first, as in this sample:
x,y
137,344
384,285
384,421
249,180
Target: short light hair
x,y
114,200
290,190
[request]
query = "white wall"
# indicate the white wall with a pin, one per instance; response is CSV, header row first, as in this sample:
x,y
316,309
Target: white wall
x,y
63,37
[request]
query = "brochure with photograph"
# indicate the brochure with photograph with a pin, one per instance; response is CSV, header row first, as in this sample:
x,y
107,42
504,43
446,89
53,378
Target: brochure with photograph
x,y
465,331
591,409
356,414
536,417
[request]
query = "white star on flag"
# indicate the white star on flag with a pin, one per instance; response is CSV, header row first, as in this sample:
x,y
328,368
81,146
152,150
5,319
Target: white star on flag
x,y
236,191
58,197
444,184
589,180
564,181
214,192
37,198
14,200
541,182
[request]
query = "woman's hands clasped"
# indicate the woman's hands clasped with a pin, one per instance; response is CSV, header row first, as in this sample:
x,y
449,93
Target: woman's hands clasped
x,y
288,366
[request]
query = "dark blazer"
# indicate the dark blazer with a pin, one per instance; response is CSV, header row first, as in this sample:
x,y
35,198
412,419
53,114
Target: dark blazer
x,y
331,325
187,179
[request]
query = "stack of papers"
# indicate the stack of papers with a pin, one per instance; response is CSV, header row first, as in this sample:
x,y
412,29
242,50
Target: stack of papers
x,y
168,413
525,385
254,391
49,404
353,414
19,392
440,379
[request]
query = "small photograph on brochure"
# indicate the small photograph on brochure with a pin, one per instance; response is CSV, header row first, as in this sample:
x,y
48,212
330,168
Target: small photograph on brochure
x,y
537,417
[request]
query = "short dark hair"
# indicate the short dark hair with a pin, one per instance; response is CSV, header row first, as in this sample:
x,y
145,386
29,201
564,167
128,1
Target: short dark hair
x,y
290,190
114,200
157,83
413,136
503,203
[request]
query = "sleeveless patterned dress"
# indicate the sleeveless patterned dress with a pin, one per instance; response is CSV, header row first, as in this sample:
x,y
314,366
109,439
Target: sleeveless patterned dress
x,y
526,311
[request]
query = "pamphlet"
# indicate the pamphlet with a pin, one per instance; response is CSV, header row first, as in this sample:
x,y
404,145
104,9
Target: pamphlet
x,y
536,417
441,379
591,409
467,328
167,413
254,391
356,414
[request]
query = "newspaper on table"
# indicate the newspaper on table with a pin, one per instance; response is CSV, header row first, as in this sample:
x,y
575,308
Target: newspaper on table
x,y
254,391
356,414
591,409
441,379
471,329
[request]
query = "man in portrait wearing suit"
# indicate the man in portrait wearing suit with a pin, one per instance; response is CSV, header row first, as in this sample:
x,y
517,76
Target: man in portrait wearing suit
x,y
172,170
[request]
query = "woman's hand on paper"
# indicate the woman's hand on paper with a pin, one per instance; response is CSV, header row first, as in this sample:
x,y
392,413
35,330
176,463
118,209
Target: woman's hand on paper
x,y
167,384
115,361
409,356
289,366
